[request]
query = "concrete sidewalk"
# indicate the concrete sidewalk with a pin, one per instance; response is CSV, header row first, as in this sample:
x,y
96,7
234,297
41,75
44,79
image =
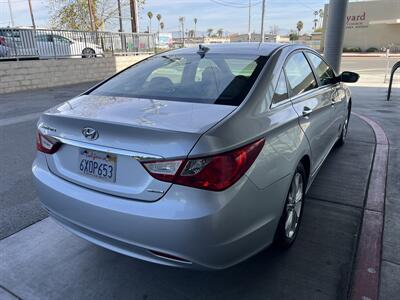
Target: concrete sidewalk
x,y
371,102
44,261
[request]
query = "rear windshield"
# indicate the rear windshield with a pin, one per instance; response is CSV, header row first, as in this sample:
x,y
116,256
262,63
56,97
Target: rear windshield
x,y
211,78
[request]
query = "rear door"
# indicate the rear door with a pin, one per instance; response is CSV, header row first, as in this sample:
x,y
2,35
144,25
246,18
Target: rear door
x,y
311,104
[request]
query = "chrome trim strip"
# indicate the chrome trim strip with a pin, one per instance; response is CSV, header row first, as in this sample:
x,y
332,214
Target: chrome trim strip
x,y
136,155
155,191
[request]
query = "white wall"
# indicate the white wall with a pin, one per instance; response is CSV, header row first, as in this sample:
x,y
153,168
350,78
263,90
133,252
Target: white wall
x,y
25,75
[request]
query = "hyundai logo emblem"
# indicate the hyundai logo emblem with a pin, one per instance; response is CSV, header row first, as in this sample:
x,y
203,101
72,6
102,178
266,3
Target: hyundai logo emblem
x,y
90,133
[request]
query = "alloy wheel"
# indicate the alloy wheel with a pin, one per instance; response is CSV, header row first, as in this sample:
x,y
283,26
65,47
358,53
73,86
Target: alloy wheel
x,y
88,53
294,205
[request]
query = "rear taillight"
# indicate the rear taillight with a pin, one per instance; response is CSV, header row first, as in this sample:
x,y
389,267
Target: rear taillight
x,y
46,144
214,173
2,41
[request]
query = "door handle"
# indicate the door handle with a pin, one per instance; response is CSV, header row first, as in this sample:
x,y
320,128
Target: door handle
x,y
333,98
306,111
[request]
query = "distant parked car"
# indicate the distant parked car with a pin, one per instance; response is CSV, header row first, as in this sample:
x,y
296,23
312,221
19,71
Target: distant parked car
x,y
27,43
54,45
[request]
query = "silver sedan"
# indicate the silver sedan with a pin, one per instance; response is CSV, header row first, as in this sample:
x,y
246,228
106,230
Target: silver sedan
x,y
197,157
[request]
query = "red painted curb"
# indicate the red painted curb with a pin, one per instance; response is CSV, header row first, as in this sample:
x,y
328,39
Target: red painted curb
x,y
366,276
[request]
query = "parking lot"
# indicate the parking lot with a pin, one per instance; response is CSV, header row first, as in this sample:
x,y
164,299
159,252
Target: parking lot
x,y
43,261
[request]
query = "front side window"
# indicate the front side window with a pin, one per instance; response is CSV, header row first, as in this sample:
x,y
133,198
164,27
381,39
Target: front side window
x,y
171,72
44,38
323,71
61,39
213,78
241,67
299,74
281,92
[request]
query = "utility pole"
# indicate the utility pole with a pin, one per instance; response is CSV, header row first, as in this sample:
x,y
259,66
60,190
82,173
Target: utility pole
x,y
91,15
183,31
31,11
249,29
120,16
11,13
262,21
134,15
334,33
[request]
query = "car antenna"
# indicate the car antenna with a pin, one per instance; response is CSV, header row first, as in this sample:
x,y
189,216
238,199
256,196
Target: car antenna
x,y
202,50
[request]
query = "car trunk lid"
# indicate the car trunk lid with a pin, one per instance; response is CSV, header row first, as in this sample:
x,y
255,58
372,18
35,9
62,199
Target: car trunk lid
x,y
129,130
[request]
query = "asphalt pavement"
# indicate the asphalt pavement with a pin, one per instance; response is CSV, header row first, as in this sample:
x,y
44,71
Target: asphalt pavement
x,y
19,206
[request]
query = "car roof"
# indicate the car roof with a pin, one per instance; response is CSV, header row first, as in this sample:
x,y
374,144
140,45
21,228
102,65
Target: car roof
x,y
261,49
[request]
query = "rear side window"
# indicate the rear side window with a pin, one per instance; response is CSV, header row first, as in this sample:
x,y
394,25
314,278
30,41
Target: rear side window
x,y
323,71
299,74
211,78
281,92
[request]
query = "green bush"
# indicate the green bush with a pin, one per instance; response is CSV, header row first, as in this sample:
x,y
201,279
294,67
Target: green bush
x,y
355,49
372,50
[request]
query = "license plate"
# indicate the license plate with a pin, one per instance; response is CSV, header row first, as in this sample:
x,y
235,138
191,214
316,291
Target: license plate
x,y
97,164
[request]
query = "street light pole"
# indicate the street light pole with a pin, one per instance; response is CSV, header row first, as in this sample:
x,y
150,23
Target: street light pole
x,y
262,21
120,16
31,11
11,13
334,33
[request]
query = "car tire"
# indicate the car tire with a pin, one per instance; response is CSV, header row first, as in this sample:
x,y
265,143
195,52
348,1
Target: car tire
x,y
290,220
342,138
88,53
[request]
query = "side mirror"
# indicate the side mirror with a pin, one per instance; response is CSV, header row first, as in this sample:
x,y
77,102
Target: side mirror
x,y
349,77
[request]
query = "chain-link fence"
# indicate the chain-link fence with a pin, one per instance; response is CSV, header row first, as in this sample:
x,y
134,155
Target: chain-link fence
x,y
17,43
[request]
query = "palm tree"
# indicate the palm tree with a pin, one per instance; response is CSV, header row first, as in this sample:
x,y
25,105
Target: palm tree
x,y
220,32
315,24
315,19
150,15
299,26
182,22
321,16
195,26
162,26
158,17
191,33
209,32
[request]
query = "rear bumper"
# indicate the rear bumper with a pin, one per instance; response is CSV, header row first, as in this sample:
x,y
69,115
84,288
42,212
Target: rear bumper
x,y
207,229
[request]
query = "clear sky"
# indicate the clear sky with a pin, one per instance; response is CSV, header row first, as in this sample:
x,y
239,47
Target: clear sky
x,y
210,14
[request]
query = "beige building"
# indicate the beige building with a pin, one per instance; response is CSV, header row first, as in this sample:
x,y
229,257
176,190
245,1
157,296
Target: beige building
x,y
371,24
256,37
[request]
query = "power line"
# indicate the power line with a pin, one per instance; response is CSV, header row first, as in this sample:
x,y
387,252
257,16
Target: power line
x,y
234,4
